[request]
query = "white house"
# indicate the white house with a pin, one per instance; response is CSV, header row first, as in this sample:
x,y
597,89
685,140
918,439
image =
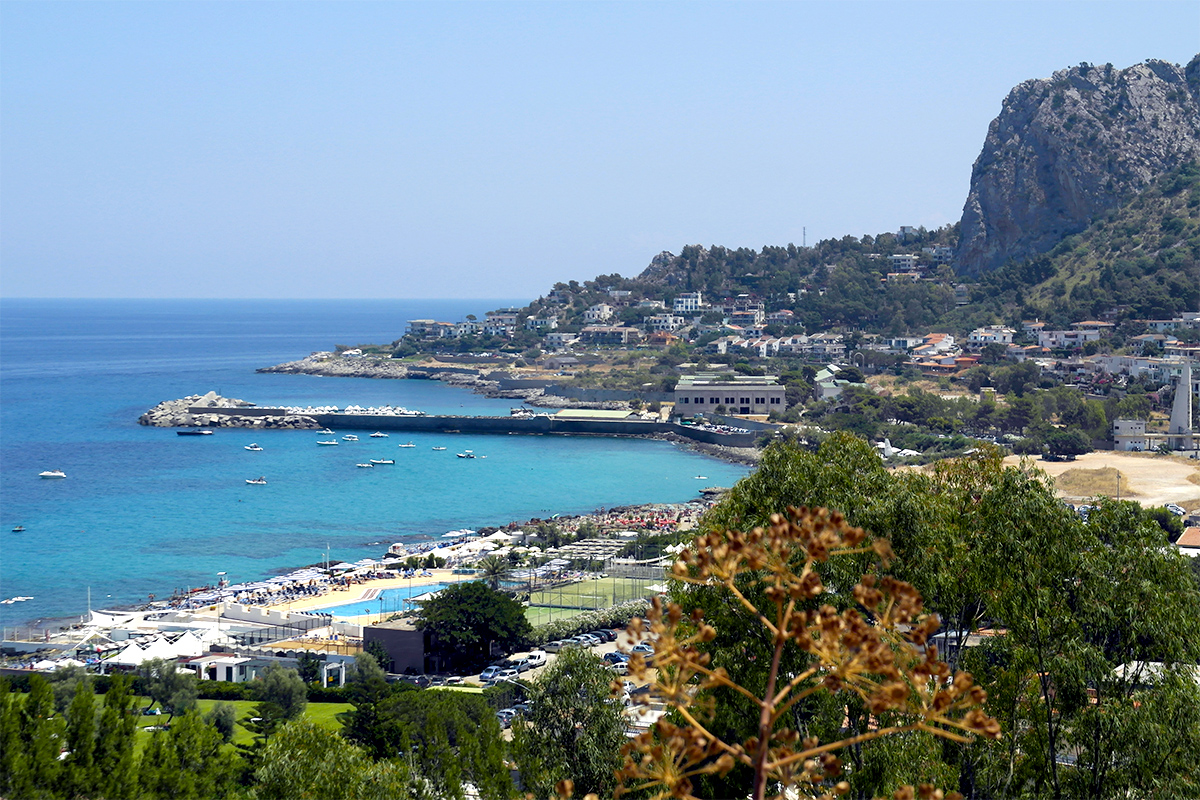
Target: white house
x,y
688,302
665,322
598,313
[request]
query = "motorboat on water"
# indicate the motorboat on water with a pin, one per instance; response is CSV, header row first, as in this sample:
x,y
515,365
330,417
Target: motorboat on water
x,y
259,481
19,529
254,447
330,443
467,454
383,461
407,444
365,466
52,473
439,448
349,437
196,432
325,432
379,435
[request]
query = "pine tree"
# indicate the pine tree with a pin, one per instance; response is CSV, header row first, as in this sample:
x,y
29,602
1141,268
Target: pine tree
x,y
79,772
116,778
41,735
11,761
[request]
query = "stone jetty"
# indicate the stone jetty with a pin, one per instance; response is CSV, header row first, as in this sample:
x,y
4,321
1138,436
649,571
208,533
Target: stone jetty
x,y
185,413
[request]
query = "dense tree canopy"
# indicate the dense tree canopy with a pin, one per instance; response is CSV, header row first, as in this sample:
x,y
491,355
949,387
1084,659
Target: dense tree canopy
x,y
467,622
1072,613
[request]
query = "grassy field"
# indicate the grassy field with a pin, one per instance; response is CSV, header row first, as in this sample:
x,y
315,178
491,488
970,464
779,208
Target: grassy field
x,y
540,615
564,602
593,594
323,715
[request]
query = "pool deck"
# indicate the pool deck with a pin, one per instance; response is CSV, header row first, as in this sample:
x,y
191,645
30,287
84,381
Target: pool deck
x,y
359,591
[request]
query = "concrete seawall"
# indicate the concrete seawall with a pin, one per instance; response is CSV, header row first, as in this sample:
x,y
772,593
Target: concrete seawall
x,y
538,425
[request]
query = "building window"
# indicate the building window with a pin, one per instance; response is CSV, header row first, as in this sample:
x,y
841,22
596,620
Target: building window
x,y
730,401
745,401
683,400
758,401
774,401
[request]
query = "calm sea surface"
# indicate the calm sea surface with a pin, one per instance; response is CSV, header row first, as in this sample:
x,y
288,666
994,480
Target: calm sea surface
x,y
145,511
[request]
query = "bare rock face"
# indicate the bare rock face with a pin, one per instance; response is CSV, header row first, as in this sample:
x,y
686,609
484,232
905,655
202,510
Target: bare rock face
x,y
1066,149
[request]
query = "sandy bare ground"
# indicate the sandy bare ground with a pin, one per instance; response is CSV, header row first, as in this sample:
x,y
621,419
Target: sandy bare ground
x,y
1151,480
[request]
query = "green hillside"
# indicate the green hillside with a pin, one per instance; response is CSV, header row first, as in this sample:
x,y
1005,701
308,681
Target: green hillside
x,y
1141,261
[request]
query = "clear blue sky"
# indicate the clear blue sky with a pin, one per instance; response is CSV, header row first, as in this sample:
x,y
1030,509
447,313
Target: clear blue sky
x,y
388,149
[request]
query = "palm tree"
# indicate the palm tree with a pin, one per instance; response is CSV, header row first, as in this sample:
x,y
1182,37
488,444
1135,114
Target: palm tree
x,y
492,570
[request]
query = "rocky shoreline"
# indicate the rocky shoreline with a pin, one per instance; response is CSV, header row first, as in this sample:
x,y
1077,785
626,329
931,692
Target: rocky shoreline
x,y
330,365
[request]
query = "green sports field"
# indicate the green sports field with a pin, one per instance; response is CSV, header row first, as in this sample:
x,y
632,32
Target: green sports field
x,y
564,602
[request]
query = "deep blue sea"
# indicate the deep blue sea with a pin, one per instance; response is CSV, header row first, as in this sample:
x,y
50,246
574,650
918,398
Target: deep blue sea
x,y
143,511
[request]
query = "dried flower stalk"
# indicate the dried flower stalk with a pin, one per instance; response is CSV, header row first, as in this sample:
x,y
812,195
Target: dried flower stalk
x,y
879,654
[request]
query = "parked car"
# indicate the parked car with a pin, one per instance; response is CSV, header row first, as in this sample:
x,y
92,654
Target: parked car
x,y
644,647
605,634
505,716
553,647
615,657
587,640
620,667
1175,509
534,660
490,672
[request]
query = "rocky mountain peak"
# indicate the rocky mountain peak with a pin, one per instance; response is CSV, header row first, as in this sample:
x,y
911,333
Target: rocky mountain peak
x,y
1067,148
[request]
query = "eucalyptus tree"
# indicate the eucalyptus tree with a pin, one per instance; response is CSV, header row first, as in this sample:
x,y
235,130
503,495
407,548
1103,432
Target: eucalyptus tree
x,y
574,728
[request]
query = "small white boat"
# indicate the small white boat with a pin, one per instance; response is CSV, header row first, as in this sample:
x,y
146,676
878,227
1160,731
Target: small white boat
x,y
52,473
257,482
701,477
383,461
254,447
407,444
349,437
379,435
330,443
324,432
439,448
365,466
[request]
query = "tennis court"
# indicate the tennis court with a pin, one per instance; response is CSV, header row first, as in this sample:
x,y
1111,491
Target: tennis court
x,y
570,600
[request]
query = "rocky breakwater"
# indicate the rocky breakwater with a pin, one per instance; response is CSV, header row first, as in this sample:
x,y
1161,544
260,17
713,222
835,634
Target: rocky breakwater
x,y
182,414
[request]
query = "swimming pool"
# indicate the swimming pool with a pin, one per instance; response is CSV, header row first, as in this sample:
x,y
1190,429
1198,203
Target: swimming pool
x,y
388,601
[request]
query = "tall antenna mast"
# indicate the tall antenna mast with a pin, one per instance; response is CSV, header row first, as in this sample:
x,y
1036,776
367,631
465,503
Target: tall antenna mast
x,y
804,236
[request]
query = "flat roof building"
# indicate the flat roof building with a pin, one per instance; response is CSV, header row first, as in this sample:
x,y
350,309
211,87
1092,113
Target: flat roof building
x,y
739,394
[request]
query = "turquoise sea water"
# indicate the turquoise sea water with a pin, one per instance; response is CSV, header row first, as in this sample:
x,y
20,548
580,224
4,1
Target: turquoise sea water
x,y
145,511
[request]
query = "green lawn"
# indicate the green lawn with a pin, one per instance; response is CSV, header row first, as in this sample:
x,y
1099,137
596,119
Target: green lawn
x,y
540,615
323,715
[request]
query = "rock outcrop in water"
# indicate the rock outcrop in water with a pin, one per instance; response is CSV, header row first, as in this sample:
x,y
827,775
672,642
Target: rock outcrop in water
x,y
335,366
1065,149
176,414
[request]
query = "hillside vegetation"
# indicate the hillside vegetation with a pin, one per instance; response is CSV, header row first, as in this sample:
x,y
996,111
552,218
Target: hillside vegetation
x,y
1141,261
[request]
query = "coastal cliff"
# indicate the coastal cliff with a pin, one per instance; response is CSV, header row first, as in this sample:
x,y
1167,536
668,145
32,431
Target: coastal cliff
x,y
1068,148
178,414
